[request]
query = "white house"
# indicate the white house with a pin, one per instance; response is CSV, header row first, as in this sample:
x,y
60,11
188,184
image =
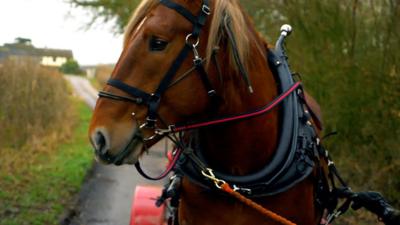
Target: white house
x,y
46,56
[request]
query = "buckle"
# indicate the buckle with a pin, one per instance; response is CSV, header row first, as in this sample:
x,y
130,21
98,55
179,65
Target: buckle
x,y
192,41
162,132
332,217
154,98
247,191
197,61
212,93
149,124
206,10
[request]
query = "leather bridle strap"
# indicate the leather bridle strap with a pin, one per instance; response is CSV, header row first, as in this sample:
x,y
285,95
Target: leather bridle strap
x,y
181,10
197,21
153,100
139,94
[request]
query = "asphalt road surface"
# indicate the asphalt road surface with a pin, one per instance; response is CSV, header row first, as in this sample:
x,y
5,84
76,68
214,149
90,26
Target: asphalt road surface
x,y
106,195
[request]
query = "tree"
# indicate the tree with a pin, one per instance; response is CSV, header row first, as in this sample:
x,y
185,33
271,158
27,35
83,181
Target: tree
x,y
121,10
108,10
71,67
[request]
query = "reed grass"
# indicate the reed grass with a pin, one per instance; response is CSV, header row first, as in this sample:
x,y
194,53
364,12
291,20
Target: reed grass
x,y
43,145
34,103
37,187
103,73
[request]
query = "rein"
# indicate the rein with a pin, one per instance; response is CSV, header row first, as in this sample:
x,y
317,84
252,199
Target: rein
x,y
258,112
180,128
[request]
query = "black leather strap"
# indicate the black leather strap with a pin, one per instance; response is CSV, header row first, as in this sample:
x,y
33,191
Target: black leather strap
x,y
180,9
153,100
105,94
239,63
135,92
163,86
204,77
198,23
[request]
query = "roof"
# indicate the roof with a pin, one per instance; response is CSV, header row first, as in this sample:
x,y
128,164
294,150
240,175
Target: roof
x,y
23,49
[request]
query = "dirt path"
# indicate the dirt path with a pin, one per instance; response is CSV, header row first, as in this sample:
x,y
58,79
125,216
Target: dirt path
x,y
106,195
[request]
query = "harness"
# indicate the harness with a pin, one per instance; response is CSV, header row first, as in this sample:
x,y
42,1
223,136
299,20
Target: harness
x,y
299,150
152,100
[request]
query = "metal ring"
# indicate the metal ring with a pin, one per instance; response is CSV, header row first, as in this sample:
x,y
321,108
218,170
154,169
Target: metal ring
x,y
195,44
206,9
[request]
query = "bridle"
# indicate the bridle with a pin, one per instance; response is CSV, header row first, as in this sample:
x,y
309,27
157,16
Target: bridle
x,y
152,100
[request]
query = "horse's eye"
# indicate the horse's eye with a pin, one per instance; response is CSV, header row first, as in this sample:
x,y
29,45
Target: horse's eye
x,y
157,44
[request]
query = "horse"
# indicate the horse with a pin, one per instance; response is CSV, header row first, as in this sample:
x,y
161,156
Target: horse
x,y
185,61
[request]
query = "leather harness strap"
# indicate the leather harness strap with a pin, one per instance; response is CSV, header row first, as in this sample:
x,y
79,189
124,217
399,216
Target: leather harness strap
x,y
153,100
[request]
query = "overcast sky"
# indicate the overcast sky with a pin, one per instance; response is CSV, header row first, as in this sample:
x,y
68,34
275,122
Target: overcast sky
x,y
54,24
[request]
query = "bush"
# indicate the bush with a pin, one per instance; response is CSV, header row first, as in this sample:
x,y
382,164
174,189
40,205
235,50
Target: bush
x,y
33,102
348,54
38,186
103,73
71,67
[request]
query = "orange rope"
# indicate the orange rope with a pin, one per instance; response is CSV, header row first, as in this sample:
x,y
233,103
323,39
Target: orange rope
x,y
225,187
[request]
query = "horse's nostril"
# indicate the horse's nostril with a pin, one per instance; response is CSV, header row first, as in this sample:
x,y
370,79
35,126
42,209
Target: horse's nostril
x,y
100,142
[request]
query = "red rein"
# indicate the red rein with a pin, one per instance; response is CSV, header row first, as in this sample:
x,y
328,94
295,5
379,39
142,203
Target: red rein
x,y
264,110
174,129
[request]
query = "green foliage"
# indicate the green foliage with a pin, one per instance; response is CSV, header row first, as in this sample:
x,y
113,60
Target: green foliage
x,y
347,53
108,10
71,67
38,187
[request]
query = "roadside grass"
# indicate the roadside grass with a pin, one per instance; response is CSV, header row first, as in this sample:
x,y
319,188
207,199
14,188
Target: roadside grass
x,y
37,186
95,83
103,73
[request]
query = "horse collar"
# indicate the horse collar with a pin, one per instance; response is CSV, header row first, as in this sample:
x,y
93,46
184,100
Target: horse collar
x,y
298,146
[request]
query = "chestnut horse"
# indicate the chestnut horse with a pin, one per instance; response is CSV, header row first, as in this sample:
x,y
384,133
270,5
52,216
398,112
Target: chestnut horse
x,y
200,59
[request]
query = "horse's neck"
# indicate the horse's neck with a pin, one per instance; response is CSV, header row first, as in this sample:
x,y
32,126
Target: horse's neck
x,y
245,146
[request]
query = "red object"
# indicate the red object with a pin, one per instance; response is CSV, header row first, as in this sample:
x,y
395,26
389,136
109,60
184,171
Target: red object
x,y
261,111
143,210
170,157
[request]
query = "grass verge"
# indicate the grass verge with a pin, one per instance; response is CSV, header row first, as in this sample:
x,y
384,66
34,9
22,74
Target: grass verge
x,y
38,192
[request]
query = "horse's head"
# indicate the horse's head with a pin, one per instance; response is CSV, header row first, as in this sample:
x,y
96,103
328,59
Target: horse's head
x,y
156,81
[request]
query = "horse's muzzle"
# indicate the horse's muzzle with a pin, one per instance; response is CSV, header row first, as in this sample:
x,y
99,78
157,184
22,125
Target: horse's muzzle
x,y
101,145
101,142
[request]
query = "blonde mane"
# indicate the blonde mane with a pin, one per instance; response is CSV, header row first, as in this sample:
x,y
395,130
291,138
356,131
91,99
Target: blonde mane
x,y
224,10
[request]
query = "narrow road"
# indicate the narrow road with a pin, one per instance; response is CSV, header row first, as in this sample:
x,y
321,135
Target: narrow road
x,y
106,195
83,89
